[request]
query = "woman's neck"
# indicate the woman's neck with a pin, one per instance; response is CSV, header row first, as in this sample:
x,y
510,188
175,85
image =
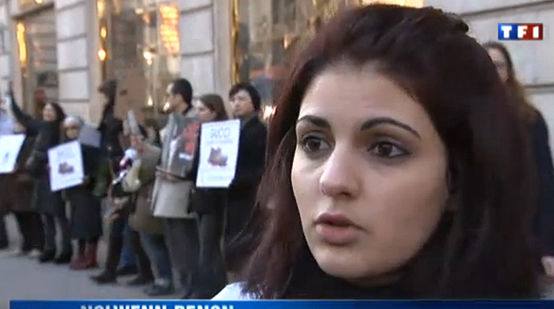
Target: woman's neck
x,y
372,282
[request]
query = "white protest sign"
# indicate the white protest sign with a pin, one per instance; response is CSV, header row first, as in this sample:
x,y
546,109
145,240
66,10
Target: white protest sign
x,y
66,166
10,145
219,148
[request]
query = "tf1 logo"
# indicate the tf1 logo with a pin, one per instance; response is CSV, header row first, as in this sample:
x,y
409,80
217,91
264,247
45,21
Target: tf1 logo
x,y
520,31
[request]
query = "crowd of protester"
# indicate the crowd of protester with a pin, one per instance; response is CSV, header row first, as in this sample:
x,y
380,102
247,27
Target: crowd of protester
x,y
177,237
404,160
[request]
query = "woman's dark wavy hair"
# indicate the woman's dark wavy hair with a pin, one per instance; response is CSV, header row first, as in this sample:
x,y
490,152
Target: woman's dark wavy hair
x,y
481,247
58,110
214,103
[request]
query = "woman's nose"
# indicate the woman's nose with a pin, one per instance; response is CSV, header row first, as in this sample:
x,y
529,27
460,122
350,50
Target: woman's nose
x,y
340,175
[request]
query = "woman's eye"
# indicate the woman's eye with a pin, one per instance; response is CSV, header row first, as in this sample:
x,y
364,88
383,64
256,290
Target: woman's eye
x,y
314,144
387,150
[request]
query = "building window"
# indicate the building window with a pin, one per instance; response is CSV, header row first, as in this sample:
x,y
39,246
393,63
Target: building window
x,y
267,33
142,38
29,4
37,54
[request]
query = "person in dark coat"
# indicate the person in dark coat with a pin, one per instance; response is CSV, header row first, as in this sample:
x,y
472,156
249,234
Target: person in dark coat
x,y
44,201
245,103
110,126
84,200
543,227
209,204
17,189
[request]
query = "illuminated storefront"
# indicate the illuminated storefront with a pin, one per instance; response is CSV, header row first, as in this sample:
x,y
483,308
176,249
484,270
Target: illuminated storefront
x,y
141,38
35,34
265,34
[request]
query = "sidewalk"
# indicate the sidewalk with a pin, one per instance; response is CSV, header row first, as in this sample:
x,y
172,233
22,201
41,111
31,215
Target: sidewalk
x,y
25,278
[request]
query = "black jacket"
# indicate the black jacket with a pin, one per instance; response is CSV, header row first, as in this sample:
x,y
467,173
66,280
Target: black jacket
x,y
251,157
544,215
47,136
86,218
110,127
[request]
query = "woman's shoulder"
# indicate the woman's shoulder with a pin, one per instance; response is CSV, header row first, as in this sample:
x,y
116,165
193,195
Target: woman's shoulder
x,y
234,291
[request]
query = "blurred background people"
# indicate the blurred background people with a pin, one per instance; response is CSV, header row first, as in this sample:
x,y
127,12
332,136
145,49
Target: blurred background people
x,y
15,196
543,227
46,202
172,190
110,126
140,181
6,127
209,204
84,200
241,195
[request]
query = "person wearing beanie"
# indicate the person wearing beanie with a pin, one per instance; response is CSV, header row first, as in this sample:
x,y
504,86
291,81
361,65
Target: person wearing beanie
x,y
245,105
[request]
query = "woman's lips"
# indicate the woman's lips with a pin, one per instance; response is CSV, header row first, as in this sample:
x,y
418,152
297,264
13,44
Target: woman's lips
x,y
336,229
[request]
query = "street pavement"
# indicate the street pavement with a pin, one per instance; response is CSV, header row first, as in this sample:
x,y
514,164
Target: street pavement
x,y
25,278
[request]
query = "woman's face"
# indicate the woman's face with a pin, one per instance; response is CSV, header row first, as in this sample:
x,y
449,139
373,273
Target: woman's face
x,y
241,104
368,174
204,113
500,63
49,113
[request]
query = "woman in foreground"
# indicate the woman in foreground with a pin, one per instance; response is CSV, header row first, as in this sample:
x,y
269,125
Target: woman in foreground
x,y
397,169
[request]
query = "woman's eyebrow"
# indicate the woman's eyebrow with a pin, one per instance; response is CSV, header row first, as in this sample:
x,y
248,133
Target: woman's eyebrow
x,y
315,120
368,124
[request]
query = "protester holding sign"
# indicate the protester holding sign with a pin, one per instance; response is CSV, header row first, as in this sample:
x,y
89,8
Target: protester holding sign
x,y
543,219
245,104
17,188
6,127
46,202
209,204
173,186
84,200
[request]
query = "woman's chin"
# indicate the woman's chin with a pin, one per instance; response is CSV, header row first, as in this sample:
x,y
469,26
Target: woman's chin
x,y
347,268
339,264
